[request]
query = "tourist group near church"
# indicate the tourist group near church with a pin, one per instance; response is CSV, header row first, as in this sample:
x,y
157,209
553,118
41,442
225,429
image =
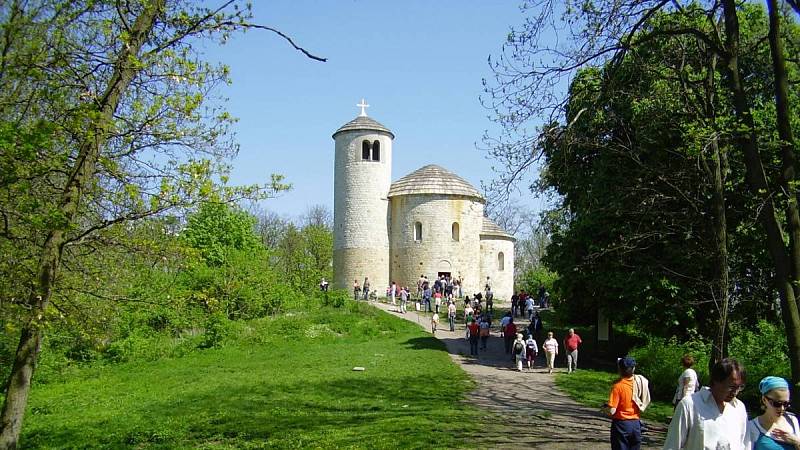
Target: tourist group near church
x,y
389,235
704,417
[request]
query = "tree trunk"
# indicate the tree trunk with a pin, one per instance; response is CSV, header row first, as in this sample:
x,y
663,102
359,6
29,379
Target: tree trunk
x,y
82,174
785,266
789,310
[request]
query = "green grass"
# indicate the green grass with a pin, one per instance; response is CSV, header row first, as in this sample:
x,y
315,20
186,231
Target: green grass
x,y
285,382
591,388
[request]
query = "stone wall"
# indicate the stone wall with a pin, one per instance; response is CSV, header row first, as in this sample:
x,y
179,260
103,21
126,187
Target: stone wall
x,y
360,210
437,251
502,281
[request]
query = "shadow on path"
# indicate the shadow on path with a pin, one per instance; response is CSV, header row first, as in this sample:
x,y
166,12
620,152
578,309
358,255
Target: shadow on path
x,y
534,412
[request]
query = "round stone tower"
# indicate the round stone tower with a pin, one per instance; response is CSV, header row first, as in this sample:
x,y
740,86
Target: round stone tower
x,y
362,175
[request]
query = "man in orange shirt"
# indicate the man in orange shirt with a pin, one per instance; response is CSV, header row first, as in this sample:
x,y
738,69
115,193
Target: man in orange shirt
x,y
626,430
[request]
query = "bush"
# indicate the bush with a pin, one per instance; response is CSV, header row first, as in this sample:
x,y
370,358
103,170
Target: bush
x,y
217,328
763,352
660,361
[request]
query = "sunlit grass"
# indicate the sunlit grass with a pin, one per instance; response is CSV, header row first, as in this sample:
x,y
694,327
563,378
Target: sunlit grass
x,y
280,383
591,388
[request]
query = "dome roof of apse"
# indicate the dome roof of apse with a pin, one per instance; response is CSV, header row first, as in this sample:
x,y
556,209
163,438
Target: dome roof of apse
x,y
363,123
489,228
433,179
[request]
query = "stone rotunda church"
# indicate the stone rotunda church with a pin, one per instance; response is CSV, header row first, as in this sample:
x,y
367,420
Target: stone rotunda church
x,y
430,222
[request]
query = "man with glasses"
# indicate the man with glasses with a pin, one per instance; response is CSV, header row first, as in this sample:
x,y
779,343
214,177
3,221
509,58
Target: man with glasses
x,y
712,417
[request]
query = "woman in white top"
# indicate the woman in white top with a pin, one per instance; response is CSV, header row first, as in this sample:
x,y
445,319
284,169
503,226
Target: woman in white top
x,y
550,347
776,428
687,382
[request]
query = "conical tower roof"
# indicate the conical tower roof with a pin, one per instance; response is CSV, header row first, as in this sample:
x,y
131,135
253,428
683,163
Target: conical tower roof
x,y
363,123
433,179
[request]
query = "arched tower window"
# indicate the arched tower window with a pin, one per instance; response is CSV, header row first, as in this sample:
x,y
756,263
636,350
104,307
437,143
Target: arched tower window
x,y
376,151
455,231
365,150
501,263
417,231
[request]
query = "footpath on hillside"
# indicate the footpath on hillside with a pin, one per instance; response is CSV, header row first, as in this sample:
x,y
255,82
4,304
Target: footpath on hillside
x,y
534,413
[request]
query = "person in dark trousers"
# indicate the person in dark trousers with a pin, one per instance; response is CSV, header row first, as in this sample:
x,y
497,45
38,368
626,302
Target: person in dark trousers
x,y
509,334
474,333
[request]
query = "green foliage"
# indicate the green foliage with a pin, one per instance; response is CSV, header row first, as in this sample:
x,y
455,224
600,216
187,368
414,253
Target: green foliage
x,y
763,351
660,361
217,328
591,388
217,228
272,374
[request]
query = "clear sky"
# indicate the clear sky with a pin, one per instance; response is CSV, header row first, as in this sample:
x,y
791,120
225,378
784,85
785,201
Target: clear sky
x,y
419,64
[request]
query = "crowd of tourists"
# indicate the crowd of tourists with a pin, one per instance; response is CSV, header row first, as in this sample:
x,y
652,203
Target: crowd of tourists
x,y
704,417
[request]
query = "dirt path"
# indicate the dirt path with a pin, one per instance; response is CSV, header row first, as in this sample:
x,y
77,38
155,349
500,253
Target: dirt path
x,y
536,414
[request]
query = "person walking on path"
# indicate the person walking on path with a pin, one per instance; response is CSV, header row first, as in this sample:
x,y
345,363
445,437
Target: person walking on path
x,y
687,382
550,347
474,330
451,315
356,290
393,292
365,288
628,398
426,298
571,343
434,322
403,299
529,308
486,325
509,332
535,327
519,351
712,417
531,349
776,428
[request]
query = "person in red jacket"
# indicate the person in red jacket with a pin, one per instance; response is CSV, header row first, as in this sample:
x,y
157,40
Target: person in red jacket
x,y
509,333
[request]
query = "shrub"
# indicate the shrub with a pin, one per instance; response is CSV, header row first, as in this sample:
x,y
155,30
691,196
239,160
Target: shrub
x,y
217,328
763,352
660,361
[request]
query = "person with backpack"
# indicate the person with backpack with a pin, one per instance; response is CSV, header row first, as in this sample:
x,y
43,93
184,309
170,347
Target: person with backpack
x,y
531,350
550,347
486,325
519,351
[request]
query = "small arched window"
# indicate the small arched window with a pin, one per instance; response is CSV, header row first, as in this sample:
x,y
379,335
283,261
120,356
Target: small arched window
x,y
365,150
417,231
501,262
376,151
455,231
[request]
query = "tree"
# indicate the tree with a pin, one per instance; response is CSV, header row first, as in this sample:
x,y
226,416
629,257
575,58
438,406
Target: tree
x,y
530,77
107,116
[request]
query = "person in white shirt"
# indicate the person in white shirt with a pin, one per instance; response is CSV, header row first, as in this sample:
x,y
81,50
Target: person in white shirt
x,y
776,428
687,382
712,418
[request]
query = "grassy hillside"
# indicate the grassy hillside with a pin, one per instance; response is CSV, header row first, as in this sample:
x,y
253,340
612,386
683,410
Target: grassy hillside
x,y
282,382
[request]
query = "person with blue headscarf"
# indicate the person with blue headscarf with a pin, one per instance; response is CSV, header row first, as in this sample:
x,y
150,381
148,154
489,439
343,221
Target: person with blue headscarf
x,y
776,428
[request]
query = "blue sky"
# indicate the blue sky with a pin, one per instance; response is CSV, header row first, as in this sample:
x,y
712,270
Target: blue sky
x,y
419,64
